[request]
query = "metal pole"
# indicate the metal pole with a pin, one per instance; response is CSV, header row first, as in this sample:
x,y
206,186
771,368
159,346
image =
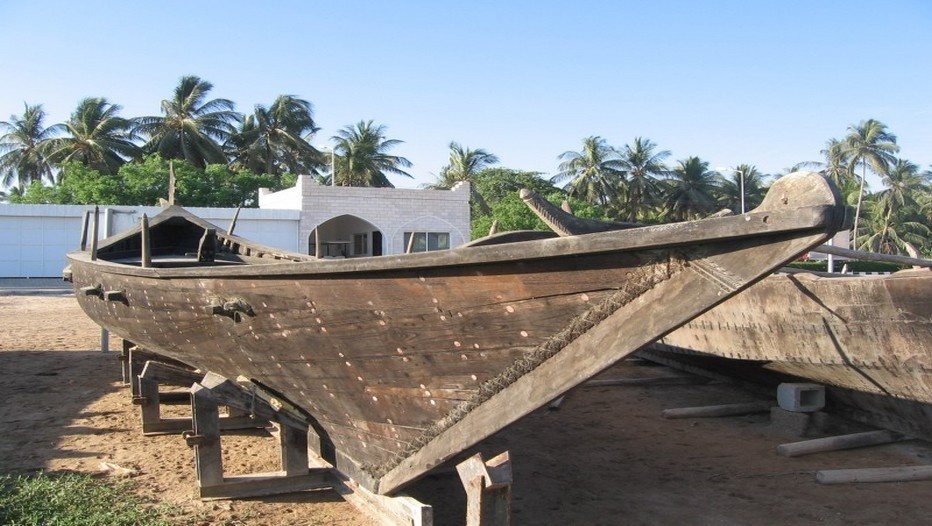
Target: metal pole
x,y
741,175
333,167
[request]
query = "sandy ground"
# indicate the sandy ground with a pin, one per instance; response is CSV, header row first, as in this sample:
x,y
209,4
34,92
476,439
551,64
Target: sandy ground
x,y
605,457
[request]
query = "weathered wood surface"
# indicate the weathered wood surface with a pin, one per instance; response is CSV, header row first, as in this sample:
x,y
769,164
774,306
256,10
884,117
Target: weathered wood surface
x,y
404,361
898,474
870,333
488,489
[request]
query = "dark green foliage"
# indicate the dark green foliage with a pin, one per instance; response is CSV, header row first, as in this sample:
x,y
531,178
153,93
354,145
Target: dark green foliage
x,y
71,500
145,182
500,187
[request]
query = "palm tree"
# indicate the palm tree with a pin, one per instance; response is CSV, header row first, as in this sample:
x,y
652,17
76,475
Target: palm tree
x,y
96,137
869,144
886,232
24,148
596,174
362,158
465,164
192,127
904,183
274,137
896,206
924,198
745,187
643,165
689,192
837,162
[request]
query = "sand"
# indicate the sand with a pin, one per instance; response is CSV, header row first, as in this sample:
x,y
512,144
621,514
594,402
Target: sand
x,y
605,457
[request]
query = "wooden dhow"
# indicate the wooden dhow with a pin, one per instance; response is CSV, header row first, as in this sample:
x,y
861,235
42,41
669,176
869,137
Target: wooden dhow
x,y
401,362
867,333
868,338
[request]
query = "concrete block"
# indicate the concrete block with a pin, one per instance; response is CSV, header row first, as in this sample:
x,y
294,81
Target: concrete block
x,y
789,423
801,397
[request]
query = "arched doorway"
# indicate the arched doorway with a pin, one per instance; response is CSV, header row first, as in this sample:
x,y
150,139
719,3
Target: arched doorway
x,y
345,236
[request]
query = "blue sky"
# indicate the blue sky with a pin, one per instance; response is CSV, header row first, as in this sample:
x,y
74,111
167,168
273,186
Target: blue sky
x,y
758,82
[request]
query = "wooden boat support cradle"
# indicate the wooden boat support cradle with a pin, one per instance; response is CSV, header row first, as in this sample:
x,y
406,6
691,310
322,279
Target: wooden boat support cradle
x,y
295,475
487,483
403,362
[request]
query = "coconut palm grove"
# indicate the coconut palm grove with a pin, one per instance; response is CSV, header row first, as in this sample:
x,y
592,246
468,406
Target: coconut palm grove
x,y
220,157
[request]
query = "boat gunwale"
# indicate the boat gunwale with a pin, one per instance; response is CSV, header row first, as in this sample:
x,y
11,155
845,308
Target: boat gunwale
x,y
750,224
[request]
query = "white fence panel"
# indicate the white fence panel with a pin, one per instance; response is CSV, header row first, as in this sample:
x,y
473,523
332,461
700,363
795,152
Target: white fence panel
x,y
35,238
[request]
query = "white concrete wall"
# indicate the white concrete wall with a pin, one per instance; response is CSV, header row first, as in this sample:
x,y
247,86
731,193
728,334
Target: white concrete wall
x,y
35,238
392,211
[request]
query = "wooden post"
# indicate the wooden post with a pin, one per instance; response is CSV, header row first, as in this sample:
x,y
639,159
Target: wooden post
x,y
84,224
820,445
137,362
488,490
150,407
233,221
205,438
293,442
125,361
94,233
146,259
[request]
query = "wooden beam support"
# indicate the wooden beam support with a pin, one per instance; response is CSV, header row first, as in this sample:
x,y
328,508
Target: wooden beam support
x,y
714,411
125,357
899,474
256,401
488,490
835,443
646,382
396,510
205,439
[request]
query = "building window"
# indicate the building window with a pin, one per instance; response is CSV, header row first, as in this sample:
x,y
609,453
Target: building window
x,y
426,241
360,244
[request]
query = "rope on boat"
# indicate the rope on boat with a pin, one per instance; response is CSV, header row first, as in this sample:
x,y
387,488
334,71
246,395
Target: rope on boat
x,y
639,281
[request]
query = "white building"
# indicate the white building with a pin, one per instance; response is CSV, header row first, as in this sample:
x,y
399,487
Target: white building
x,y
360,221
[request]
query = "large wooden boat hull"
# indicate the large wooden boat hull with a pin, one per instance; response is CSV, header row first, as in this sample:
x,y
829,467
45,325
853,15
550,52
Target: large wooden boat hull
x,y
869,334
403,362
